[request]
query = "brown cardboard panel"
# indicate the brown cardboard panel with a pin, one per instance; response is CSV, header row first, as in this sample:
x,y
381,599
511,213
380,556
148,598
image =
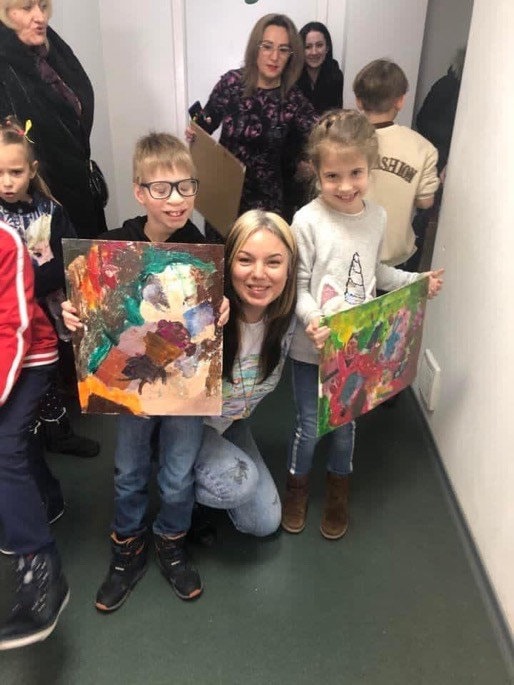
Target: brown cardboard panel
x,y
221,178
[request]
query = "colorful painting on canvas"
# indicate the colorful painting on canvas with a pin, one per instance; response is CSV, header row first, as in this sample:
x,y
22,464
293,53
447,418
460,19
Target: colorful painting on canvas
x,y
371,354
150,345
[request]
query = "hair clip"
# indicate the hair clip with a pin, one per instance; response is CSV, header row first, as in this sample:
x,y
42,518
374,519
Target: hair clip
x,y
28,126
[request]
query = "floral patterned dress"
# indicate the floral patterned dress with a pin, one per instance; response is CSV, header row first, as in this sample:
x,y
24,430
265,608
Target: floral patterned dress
x,y
255,129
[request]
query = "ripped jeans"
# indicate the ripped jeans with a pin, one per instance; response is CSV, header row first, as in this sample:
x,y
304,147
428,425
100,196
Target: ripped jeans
x,y
231,474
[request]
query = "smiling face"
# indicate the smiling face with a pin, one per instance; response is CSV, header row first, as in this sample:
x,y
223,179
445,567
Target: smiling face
x,y
259,273
30,20
271,62
164,217
315,49
343,175
15,173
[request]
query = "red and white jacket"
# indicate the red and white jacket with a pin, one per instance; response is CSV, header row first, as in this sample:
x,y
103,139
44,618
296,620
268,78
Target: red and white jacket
x,y
27,338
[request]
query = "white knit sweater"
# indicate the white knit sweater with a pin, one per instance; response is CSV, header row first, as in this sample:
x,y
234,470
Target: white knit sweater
x,y
339,265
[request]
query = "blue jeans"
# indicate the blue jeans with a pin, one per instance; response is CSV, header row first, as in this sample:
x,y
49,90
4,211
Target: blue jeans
x,y
303,443
231,474
180,438
22,514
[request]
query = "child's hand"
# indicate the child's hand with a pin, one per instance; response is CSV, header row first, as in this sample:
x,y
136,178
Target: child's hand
x,y
224,312
435,282
71,321
316,333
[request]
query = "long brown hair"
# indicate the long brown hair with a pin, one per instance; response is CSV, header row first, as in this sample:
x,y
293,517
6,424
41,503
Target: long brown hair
x,y
13,133
294,65
280,312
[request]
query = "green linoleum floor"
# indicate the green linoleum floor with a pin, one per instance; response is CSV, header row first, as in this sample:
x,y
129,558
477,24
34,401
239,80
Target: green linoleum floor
x,y
395,602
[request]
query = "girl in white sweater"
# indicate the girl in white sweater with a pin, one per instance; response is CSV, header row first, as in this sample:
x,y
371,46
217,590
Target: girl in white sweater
x,y
339,240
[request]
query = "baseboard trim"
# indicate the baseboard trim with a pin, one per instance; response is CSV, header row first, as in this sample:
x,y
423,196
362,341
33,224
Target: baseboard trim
x,y
492,606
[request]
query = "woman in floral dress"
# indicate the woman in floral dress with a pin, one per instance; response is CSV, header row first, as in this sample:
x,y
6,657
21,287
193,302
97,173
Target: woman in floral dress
x,y
258,106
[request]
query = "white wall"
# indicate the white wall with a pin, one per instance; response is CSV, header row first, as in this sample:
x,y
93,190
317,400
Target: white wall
x,y
377,29
470,327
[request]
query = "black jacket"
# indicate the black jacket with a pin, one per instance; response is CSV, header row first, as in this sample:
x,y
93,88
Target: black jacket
x,y
60,136
328,89
134,229
437,115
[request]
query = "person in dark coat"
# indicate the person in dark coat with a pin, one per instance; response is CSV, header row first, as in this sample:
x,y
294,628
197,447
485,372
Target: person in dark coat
x,y
437,114
321,81
435,122
42,80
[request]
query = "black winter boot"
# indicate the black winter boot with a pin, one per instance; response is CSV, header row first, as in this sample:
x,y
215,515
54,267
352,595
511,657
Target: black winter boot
x,y
59,437
175,566
128,565
41,594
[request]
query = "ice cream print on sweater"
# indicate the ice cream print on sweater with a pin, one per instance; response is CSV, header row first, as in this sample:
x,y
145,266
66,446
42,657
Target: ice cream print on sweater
x,y
333,298
37,236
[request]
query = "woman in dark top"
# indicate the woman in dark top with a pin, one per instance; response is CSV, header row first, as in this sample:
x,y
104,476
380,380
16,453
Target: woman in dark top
x,y
258,106
321,81
42,80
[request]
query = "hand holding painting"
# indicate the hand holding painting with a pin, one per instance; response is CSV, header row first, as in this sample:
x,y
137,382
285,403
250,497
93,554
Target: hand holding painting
x,y
435,282
318,332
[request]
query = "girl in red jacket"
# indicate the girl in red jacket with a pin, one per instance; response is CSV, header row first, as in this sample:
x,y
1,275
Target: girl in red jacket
x,y
28,357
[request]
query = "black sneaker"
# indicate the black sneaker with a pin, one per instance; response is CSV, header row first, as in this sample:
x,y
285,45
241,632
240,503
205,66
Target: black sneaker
x,y
41,595
128,565
172,558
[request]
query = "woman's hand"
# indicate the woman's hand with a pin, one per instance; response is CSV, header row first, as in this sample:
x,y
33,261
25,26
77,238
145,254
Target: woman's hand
x,y
316,333
435,282
191,135
224,312
71,321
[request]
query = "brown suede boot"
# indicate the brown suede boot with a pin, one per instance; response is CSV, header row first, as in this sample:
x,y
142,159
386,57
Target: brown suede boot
x,y
334,523
294,508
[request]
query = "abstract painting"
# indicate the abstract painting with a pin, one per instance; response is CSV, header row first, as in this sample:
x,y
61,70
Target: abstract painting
x,y
371,354
150,344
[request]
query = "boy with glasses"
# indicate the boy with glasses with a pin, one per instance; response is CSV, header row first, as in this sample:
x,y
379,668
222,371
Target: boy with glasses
x,y
165,185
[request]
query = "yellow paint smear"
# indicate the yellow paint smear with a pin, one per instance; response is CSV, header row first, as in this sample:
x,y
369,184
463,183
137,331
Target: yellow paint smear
x,y
93,386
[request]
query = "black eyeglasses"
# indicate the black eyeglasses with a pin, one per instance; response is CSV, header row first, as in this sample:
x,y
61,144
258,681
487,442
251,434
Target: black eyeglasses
x,y
161,190
267,48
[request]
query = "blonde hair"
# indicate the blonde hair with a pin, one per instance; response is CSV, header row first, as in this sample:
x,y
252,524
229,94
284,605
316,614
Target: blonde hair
x,y
6,5
294,65
280,311
156,150
13,133
343,128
